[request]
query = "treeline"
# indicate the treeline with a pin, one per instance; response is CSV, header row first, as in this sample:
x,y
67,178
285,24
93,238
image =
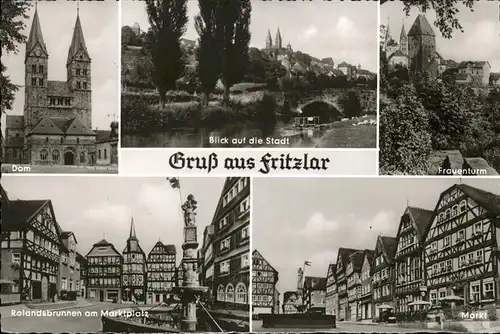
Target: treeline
x,y
421,115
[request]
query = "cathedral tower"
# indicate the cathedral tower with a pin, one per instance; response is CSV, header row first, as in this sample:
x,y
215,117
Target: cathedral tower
x,y
36,73
269,40
277,41
403,41
78,69
422,47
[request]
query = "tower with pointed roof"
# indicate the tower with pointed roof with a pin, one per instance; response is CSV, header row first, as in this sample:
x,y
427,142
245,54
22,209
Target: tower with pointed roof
x,y
269,40
422,47
134,269
278,43
403,41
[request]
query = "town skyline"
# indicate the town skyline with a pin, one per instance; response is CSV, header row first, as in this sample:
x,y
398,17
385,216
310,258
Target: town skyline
x,y
102,207
305,25
322,221
100,27
480,40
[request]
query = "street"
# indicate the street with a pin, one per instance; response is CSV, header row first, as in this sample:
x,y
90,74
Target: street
x,y
69,324
344,328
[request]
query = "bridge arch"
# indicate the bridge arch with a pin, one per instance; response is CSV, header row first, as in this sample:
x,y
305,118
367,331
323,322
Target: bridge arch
x,y
327,111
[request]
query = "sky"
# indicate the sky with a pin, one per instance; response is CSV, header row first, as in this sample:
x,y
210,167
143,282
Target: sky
x,y
101,31
94,207
308,219
346,31
479,41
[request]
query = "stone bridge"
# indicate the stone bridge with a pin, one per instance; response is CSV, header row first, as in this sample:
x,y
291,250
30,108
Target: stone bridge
x,y
328,97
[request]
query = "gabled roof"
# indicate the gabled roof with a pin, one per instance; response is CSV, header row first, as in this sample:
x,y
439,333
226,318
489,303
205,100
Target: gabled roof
x,y
331,269
21,211
103,248
389,246
287,295
315,283
487,200
421,27
77,42
421,217
356,259
343,64
369,254
474,63
61,126
14,122
35,35
344,254
102,136
256,253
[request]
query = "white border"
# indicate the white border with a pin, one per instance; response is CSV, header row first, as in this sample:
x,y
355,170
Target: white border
x,y
250,284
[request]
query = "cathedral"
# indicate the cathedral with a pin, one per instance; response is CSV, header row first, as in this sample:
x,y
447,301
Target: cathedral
x,y
56,125
276,48
416,50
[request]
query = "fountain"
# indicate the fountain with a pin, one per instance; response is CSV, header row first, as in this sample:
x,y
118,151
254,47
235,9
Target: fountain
x,y
190,291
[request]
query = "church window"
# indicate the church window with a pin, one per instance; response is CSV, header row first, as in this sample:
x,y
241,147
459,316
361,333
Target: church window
x,y
77,71
82,157
40,69
78,85
33,68
105,153
33,81
40,81
62,140
84,85
67,101
52,101
43,155
59,101
99,154
55,155
78,140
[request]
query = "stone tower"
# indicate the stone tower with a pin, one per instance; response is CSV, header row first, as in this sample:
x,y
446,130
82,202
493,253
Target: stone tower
x,y
78,69
422,48
403,41
269,40
277,41
36,73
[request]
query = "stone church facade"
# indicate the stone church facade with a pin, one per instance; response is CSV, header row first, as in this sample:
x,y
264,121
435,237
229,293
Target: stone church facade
x,y
56,125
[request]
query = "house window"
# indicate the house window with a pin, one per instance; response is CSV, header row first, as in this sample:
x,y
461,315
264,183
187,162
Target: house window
x,y
461,235
463,206
241,293
43,155
244,261
447,241
84,71
62,140
478,229
225,244
224,267
33,68
244,205
221,293
454,210
33,81
78,140
479,255
16,258
244,233
448,213
488,290
229,293
474,293
55,155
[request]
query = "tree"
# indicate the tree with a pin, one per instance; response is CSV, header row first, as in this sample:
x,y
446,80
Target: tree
x,y
233,20
129,37
167,19
13,15
351,105
446,11
405,144
208,52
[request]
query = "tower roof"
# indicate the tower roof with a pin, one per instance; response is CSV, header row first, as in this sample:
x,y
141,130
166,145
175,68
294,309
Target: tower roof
x,y
78,41
421,27
132,230
403,32
278,34
35,35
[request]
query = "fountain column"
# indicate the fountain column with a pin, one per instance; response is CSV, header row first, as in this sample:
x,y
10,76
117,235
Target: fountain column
x,y
190,289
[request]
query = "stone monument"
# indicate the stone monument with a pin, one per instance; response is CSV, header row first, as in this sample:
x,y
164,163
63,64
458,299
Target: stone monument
x,y
190,290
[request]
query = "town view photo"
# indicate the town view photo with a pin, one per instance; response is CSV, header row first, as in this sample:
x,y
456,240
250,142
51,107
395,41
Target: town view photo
x,y
440,88
60,82
418,257
249,74
107,254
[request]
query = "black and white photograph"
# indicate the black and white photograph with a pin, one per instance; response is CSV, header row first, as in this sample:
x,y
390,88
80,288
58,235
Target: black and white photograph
x,y
439,88
60,86
249,74
106,254
419,256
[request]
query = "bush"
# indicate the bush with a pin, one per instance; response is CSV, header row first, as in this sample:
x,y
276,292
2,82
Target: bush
x,y
264,114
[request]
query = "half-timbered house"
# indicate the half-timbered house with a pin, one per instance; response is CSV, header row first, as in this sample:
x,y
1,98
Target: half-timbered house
x,y
365,299
461,247
232,244
290,302
264,279
314,294
340,273
81,265
331,297
104,264
206,258
383,276
134,269
410,285
30,248
161,273
69,278
353,275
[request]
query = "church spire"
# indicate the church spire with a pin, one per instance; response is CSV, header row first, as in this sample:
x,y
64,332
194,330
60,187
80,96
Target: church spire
x,y
78,41
403,32
35,35
278,41
132,230
269,40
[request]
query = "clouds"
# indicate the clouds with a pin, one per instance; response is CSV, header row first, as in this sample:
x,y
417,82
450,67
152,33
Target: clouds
x,y
317,225
310,32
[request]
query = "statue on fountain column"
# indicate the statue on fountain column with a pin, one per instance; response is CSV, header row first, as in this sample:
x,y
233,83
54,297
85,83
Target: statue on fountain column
x,y
189,208
189,277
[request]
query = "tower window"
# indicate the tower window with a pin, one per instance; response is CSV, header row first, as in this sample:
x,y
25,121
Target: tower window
x,y
59,101
84,71
78,140
84,85
52,101
82,157
46,139
62,140
33,81
55,155
77,71
99,154
105,153
40,69
43,155
78,85
33,68
40,81
67,101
